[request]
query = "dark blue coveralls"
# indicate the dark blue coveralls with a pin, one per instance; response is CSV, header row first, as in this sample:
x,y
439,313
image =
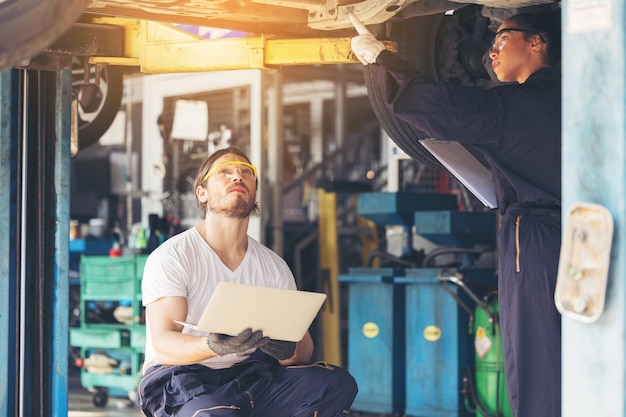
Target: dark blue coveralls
x,y
257,387
517,127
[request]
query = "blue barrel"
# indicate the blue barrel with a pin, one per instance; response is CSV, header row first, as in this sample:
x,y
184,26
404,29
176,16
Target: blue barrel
x,y
376,341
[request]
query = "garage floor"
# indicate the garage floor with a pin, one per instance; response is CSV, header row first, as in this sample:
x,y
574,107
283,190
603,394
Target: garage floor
x,y
80,403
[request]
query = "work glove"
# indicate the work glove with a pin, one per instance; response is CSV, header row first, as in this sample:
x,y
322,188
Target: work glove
x,y
223,344
279,349
365,46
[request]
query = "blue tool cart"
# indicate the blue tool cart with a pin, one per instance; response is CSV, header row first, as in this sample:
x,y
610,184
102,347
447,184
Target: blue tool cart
x,y
111,335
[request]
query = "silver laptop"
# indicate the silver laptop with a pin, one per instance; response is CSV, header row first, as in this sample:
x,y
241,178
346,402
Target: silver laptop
x,y
281,314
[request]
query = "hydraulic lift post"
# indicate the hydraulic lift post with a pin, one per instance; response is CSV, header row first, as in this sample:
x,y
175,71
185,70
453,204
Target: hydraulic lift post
x,y
35,133
593,171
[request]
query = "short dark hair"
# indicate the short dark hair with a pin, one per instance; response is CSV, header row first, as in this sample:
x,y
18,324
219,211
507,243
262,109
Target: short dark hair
x,y
548,26
208,164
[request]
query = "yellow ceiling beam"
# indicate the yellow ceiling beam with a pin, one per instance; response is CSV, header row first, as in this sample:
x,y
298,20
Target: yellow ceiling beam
x,y
161,48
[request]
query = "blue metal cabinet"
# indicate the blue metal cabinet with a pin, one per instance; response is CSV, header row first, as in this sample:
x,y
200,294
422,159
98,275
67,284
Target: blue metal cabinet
x,y
439,343
376,340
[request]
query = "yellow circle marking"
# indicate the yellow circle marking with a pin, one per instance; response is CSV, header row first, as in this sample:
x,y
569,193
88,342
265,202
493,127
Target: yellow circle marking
x,y
370,330
432,333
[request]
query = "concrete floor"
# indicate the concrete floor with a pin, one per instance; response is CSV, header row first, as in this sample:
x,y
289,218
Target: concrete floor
x,y
80,403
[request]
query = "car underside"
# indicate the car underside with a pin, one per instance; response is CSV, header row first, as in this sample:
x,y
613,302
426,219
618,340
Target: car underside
x,y
26,26
444,39
288,17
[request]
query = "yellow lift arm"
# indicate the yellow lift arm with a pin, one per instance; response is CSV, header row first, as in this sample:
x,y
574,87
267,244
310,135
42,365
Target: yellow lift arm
x,y
162,48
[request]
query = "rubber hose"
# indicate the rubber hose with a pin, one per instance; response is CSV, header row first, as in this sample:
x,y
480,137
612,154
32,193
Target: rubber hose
x,y
474,395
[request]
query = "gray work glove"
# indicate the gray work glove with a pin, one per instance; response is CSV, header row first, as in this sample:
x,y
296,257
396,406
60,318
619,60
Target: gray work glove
x,y
365,46
223,344
279,349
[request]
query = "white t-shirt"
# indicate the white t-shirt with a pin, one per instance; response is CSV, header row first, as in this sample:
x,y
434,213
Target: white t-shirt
x,y
186,266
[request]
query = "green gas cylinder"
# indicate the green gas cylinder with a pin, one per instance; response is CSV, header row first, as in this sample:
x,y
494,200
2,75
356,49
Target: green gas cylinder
x,y
489,370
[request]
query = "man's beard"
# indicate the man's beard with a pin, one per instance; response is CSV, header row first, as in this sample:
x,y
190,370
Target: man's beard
x,y
239,210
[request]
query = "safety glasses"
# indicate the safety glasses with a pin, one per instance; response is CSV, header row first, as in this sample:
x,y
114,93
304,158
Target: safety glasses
x,y
227,170
501,37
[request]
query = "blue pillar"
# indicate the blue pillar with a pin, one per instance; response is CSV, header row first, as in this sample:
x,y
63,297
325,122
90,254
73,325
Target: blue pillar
x,y
34,241
8,213
6,126
594,164
60,331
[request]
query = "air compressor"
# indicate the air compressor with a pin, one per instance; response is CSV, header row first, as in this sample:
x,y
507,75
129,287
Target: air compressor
x,y
484,387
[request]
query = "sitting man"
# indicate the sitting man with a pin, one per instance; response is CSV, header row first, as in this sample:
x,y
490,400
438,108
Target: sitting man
x,y
188,373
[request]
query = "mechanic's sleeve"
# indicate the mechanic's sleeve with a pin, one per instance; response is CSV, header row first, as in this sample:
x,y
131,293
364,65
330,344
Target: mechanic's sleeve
x,y
444,111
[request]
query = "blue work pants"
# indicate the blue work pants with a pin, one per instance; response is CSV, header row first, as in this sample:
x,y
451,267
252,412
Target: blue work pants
x,y
255,388
529,242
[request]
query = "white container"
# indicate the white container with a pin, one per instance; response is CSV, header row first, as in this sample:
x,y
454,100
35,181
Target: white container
x,y
97,228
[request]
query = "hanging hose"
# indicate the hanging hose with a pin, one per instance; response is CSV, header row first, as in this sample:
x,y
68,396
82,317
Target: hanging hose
x,y
429,260
474,394
457,278
389,257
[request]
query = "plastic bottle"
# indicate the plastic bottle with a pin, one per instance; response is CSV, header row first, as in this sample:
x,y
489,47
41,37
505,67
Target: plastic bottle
x,y
154,237
115,251
140,240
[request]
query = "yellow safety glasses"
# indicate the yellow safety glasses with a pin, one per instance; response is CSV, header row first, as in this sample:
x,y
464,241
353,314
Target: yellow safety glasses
x,y
228,169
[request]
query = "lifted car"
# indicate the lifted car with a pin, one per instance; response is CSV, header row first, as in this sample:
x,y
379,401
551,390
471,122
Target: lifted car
x,y
445,39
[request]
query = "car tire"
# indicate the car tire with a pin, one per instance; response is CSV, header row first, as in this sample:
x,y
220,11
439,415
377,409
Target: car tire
x,y
424,30
426,43
29,26
98,103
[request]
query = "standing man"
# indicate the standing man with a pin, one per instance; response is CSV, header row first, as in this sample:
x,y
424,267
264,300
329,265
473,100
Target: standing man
x,y
187,373
517,127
